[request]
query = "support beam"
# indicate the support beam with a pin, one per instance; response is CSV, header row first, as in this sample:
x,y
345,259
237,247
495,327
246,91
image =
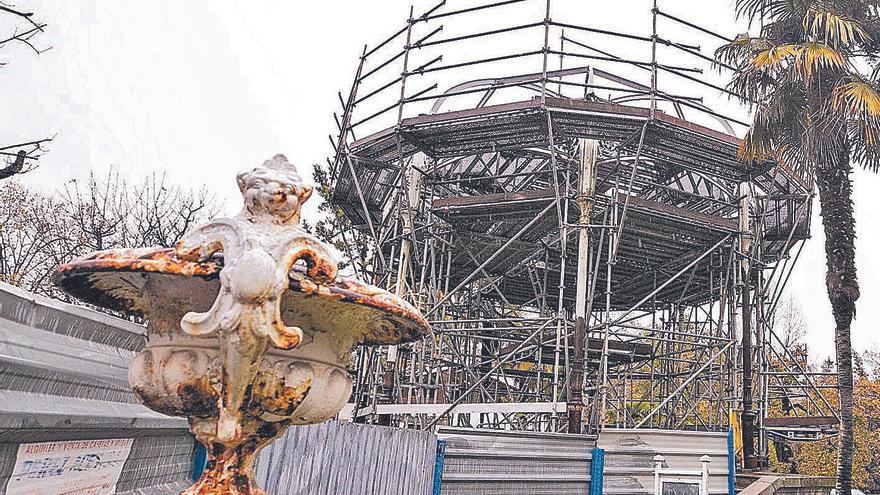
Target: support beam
x,y
408,210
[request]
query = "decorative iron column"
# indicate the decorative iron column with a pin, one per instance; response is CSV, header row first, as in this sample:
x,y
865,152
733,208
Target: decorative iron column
x,y
588,150
748,413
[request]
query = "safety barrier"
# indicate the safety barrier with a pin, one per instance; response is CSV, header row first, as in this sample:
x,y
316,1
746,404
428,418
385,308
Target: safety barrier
x,y
346,458
67,417
482,461
630,458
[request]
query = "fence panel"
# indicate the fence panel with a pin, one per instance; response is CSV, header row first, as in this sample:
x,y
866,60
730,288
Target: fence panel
x,y
493,462
346,458
63,376
629,454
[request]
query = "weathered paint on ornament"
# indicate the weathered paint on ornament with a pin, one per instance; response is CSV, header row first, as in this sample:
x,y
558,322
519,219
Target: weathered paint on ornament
x,y
250,326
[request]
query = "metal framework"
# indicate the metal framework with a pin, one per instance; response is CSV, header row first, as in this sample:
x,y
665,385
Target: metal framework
x,y
585,261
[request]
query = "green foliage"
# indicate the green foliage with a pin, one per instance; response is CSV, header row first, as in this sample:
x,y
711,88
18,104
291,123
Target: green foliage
x,y
819,458
335,229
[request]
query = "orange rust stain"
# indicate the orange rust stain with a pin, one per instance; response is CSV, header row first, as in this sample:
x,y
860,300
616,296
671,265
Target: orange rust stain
x,y
270,395
229,469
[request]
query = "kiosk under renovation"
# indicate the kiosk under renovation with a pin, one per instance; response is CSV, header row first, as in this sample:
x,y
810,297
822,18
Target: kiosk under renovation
x,y
586,245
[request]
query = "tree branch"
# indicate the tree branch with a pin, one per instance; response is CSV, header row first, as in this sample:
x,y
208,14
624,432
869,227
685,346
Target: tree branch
x,y
25,36
23,157
25,15
15,167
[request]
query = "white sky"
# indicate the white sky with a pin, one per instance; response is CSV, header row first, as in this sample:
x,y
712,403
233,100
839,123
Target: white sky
x,y
204,89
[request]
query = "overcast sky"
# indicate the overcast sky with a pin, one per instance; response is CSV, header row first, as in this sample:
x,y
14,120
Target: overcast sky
x,y
204,89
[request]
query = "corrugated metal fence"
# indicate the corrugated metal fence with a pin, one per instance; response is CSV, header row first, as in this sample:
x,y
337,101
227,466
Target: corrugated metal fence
x,y
629,453
491,462
63,376
344,458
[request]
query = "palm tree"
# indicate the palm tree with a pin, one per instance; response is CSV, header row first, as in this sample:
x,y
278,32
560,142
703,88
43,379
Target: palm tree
x,y
816,107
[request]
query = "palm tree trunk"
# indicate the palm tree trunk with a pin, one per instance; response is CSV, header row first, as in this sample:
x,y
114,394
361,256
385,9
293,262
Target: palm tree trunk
x,y
836,208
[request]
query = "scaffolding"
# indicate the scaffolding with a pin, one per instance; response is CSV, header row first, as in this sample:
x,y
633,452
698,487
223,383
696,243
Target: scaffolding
x,y
585,261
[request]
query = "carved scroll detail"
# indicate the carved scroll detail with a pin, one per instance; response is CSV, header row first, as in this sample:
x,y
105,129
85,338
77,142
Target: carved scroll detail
x,y
260,246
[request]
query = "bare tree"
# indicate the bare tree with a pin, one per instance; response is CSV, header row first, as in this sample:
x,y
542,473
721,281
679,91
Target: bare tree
x,y
39,232
871,361
33,237
160,213
97,210
21,157
789,322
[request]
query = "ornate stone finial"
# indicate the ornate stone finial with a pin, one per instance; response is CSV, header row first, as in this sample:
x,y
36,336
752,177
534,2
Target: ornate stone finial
x,y
273,192
260,245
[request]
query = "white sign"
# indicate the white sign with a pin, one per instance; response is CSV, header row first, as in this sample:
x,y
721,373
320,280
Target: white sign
x,y
75,467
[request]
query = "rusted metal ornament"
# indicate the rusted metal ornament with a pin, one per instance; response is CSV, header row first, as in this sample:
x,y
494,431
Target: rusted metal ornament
x,y
250,326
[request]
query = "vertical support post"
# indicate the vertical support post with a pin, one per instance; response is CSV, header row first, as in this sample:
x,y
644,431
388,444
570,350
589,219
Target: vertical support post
x,y
748,414
597,471
761,328
414,179
760,365
732,330
438,467
561,203
658,466
606,334
654,61
731,463
546,52
704,474
391,355
587,153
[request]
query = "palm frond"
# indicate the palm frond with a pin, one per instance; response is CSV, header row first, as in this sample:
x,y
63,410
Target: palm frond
x,y
834,29
749,82
740,52
814,57
780,125
858,102
754,10
776,56
858,98
757,145
866,154
751,86
791,156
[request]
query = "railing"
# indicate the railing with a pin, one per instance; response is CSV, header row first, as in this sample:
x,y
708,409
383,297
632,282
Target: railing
x,y
450,62
681,478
